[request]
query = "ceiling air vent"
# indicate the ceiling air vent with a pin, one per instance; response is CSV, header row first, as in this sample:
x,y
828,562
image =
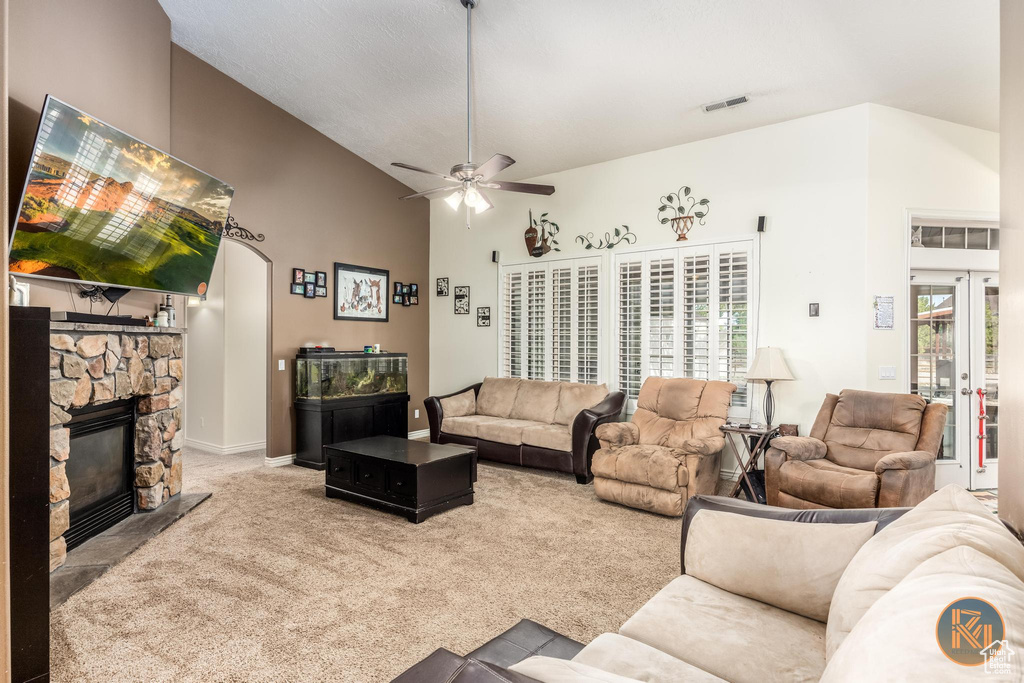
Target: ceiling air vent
x,y
726,104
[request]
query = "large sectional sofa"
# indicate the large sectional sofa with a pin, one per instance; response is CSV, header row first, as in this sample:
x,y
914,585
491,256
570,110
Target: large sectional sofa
x,y
769,594
547,425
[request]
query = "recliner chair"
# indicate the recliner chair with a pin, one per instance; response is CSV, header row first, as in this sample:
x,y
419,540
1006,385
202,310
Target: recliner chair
x,y
866,450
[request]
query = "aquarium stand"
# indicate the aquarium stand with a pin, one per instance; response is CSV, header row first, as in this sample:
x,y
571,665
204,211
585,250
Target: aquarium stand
x,y
318,423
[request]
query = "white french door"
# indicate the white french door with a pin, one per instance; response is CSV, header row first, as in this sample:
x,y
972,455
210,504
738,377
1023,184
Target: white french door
x,y
954,318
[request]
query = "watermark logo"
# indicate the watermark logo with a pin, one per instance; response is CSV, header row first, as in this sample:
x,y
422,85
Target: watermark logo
x,y
970,632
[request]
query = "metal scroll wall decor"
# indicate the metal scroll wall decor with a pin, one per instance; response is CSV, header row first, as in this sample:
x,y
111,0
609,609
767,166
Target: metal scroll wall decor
x,y
236,232
680,209
621,235
540,236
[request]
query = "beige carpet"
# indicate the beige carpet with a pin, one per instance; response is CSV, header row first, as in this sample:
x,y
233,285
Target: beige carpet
x,y
271,581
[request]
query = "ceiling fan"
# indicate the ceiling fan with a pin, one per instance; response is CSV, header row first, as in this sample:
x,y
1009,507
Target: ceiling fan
x,y
467,181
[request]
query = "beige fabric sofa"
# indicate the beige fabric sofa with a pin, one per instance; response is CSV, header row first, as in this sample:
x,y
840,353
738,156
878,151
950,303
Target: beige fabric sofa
x,y
670,451
548,425
854,597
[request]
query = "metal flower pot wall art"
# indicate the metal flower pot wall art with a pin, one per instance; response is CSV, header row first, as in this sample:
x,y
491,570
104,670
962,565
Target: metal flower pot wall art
x,y
622,235
680,210
540,236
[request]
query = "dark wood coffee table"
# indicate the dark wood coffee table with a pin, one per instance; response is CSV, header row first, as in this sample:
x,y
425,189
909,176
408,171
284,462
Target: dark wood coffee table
x,y
412,478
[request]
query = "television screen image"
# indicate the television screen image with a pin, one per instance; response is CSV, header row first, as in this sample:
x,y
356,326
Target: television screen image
x,y
101,207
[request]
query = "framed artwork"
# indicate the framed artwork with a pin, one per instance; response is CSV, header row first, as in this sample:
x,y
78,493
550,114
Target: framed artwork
x,y
414,289
397,299
298,276
298,288
442,286
321,280
361,293
321,291
462,300
310,290
406,300
483,316
310,278
398,289
406,289
414,300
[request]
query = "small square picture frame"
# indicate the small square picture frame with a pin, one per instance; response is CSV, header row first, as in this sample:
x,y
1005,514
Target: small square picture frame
x,y
321,280
298,276
298,288
310,278
396,299
320,291
406,290
442,286
414,289
398,289
310,290
414,300
483,316
406,300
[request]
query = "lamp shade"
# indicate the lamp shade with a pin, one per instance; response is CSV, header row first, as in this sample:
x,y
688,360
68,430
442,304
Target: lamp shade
x,y
769,366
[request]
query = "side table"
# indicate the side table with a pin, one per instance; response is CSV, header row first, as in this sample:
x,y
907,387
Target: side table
x,y
733,434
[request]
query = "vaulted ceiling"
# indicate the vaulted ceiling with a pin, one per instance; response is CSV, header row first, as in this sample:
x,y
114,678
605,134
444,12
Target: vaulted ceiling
x,y
565,84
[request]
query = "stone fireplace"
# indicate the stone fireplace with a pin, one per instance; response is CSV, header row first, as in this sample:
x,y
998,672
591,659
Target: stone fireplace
x,y
106,372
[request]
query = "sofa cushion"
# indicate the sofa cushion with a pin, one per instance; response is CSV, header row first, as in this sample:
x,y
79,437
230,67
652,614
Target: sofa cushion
x,y
728,635
551,670
640,496
624,656
896,639
866,425
496,396
655,466
948,518
826,483
505,431
467,425
671,411
741,554
459,405
576,397
536,401
556,437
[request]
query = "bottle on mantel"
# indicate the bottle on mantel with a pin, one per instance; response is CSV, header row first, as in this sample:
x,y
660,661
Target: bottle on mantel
x,y
171,313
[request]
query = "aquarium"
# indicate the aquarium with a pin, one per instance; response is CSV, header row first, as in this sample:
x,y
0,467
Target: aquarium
x,y
330,375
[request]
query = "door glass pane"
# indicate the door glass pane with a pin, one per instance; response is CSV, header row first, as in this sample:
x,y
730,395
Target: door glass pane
x,y
933,310
992,372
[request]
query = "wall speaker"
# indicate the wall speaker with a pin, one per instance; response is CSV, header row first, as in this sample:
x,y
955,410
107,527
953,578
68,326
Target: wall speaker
x,y
760,223
495,257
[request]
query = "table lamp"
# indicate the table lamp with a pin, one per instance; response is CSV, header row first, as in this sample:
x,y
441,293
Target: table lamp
x,y
769,366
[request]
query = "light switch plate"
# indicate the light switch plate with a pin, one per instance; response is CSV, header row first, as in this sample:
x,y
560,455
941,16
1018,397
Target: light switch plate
x,y
886,372
416,413
280,364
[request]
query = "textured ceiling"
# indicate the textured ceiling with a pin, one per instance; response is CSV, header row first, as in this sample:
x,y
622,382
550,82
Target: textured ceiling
x,y
575,82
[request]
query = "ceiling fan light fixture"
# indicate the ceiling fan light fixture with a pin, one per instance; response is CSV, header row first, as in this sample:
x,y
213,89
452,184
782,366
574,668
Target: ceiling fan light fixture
x,y
483,204
472,197
454,199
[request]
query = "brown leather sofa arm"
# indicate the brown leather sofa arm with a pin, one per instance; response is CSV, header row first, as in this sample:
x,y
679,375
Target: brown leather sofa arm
x,y
617,434
883,516
910,460
432,404
800,447
708,446
584,443
444,666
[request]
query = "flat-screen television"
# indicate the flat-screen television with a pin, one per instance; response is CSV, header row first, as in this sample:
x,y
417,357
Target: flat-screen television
x,y
103,208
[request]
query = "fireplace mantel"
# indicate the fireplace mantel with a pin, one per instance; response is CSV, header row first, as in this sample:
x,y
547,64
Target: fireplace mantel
x,y
93,364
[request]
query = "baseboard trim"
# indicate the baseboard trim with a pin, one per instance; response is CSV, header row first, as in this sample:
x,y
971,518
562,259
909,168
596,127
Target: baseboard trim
x,y
226,450
419,433
279,461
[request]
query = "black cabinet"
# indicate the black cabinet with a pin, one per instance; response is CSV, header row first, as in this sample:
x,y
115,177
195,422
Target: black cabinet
x,y
318,423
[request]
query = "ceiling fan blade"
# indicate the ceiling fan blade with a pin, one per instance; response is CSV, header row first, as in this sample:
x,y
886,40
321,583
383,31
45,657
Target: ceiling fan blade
x,y
422,170
495,165
521,187
437,191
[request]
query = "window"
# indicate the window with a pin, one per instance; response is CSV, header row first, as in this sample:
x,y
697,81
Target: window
x,y
952,234
551,321
685,312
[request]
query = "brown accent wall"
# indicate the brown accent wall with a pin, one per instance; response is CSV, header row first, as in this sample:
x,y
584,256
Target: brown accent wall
x,y
317,203
110,58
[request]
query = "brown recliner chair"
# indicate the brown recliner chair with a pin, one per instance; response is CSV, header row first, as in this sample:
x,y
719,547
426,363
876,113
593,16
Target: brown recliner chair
x,y
865,450
670,451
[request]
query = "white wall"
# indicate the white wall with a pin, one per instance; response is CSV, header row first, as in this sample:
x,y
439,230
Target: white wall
x,y
226,381
812,178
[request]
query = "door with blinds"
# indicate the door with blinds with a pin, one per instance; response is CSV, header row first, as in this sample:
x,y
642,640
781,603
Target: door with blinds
x,y
685,312
551,321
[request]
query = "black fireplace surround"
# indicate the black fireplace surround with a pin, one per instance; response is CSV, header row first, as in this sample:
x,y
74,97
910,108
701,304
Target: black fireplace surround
x,y
100,469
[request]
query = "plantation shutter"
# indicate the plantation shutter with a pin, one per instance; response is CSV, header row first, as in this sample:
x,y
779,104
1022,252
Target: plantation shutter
x,y
587,324
561,324
661,318
733,319
630,281
512,328
696,316
536,323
